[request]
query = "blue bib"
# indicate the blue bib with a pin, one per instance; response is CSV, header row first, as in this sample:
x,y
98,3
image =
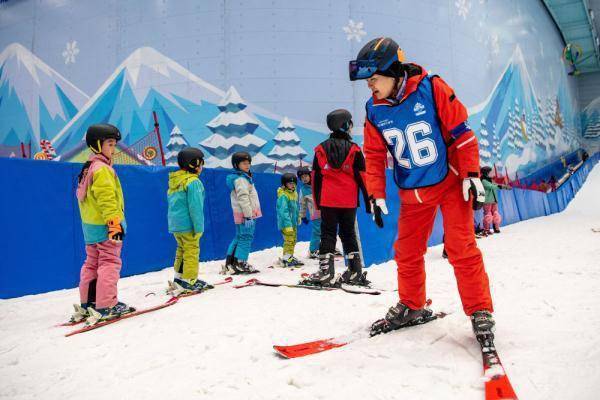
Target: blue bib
x,y
413,136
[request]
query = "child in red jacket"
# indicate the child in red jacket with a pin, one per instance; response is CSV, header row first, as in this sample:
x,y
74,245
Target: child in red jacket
x,y
338,166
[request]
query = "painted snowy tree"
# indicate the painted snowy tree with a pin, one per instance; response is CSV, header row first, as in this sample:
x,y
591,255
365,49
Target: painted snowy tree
x,y
550,128
287,152
592,126
485,153
537,128
176,143
233,130
515,129
495,144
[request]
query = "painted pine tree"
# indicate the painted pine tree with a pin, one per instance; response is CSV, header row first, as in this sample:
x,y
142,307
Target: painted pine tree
x,y
485,147
176,143
518,126
495,144
233,130
287,152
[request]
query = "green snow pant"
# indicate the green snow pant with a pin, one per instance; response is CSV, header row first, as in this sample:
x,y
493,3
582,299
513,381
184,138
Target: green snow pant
x,y
289,242
187,255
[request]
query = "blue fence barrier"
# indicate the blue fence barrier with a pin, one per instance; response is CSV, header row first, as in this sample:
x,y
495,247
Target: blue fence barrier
x,y
43,249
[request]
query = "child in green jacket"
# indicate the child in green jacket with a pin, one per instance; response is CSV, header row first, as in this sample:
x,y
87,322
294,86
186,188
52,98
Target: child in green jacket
x,y
186,220
288,218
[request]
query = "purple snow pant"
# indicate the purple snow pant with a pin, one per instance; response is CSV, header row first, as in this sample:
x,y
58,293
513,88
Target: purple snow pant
x,y
100,273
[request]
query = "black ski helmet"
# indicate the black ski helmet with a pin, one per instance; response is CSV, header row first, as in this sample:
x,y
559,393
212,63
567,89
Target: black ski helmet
x,y
190,159
339,121
287,178
96,135
303,171
382,56
485,171
238,157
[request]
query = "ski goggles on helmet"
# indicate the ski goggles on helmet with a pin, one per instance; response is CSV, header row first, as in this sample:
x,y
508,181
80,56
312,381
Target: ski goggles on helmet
x,y
364,69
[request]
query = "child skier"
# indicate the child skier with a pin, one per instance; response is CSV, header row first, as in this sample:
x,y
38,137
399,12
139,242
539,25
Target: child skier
x,y
101,207
491,215
186,220
246,209
418,119
338,166
287,218
307,206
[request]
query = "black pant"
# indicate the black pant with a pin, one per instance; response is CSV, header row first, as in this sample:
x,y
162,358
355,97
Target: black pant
x,y
331,218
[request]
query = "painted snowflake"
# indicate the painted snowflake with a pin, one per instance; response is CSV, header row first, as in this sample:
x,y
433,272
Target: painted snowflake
x,y
463,7
70,52
494,44
354,30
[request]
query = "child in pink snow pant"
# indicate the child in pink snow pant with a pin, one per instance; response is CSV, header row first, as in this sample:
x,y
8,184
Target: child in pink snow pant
x,y
491,216
100,273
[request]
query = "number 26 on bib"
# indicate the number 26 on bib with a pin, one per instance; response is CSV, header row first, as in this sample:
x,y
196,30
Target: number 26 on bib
x,y
412,148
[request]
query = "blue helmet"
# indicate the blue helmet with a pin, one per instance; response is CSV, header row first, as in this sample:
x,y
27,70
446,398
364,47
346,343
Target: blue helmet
x,y
380,56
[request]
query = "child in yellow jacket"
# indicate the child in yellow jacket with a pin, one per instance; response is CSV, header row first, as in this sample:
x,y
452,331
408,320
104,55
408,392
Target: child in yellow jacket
x,y
186,220
101,206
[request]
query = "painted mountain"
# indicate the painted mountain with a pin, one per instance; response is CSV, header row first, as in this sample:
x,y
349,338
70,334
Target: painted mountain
x,y
148,81
518,129
35,101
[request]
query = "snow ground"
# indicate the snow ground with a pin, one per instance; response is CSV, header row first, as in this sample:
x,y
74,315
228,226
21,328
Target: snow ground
x,y
545,276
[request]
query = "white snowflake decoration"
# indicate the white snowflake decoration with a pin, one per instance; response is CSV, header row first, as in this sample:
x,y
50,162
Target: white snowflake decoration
x,y
70,52
354,30
463,7
494,44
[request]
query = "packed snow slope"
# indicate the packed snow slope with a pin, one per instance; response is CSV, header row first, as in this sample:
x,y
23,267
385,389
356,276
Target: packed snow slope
x,y
545,276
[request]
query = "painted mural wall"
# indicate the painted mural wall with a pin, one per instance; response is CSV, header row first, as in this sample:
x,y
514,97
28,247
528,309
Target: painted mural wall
x,y
261,75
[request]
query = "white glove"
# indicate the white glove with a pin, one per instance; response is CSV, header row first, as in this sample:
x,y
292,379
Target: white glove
x,y
381,204
474,185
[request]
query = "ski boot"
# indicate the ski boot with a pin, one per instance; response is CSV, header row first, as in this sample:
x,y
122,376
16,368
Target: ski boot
x,y
444,253
313,255
81,312
184,286
325,276
291,262
246,268
483,328
232,267
354,275
400,316
106,314
496,229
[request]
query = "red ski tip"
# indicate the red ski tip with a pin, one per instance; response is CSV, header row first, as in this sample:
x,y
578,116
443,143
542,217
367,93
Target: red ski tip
x,y
305,349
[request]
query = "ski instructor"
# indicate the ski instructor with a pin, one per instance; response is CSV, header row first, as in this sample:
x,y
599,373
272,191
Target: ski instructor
x,y
418,119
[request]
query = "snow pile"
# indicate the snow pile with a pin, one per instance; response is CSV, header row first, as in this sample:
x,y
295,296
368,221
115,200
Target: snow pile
x,y
545,282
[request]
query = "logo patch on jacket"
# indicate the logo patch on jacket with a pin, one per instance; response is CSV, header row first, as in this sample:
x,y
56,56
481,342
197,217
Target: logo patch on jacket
x,y
419,109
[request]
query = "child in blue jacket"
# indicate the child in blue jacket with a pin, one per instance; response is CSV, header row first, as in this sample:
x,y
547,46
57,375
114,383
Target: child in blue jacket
x,y
288,219
186,220
307,207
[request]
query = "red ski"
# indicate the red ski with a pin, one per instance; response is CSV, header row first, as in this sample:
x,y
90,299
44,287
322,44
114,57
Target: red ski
x,y
497,387
319,346
170,302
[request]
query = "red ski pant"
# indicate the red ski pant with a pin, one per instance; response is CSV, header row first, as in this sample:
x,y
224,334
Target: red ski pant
x,y
100,273
417,215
